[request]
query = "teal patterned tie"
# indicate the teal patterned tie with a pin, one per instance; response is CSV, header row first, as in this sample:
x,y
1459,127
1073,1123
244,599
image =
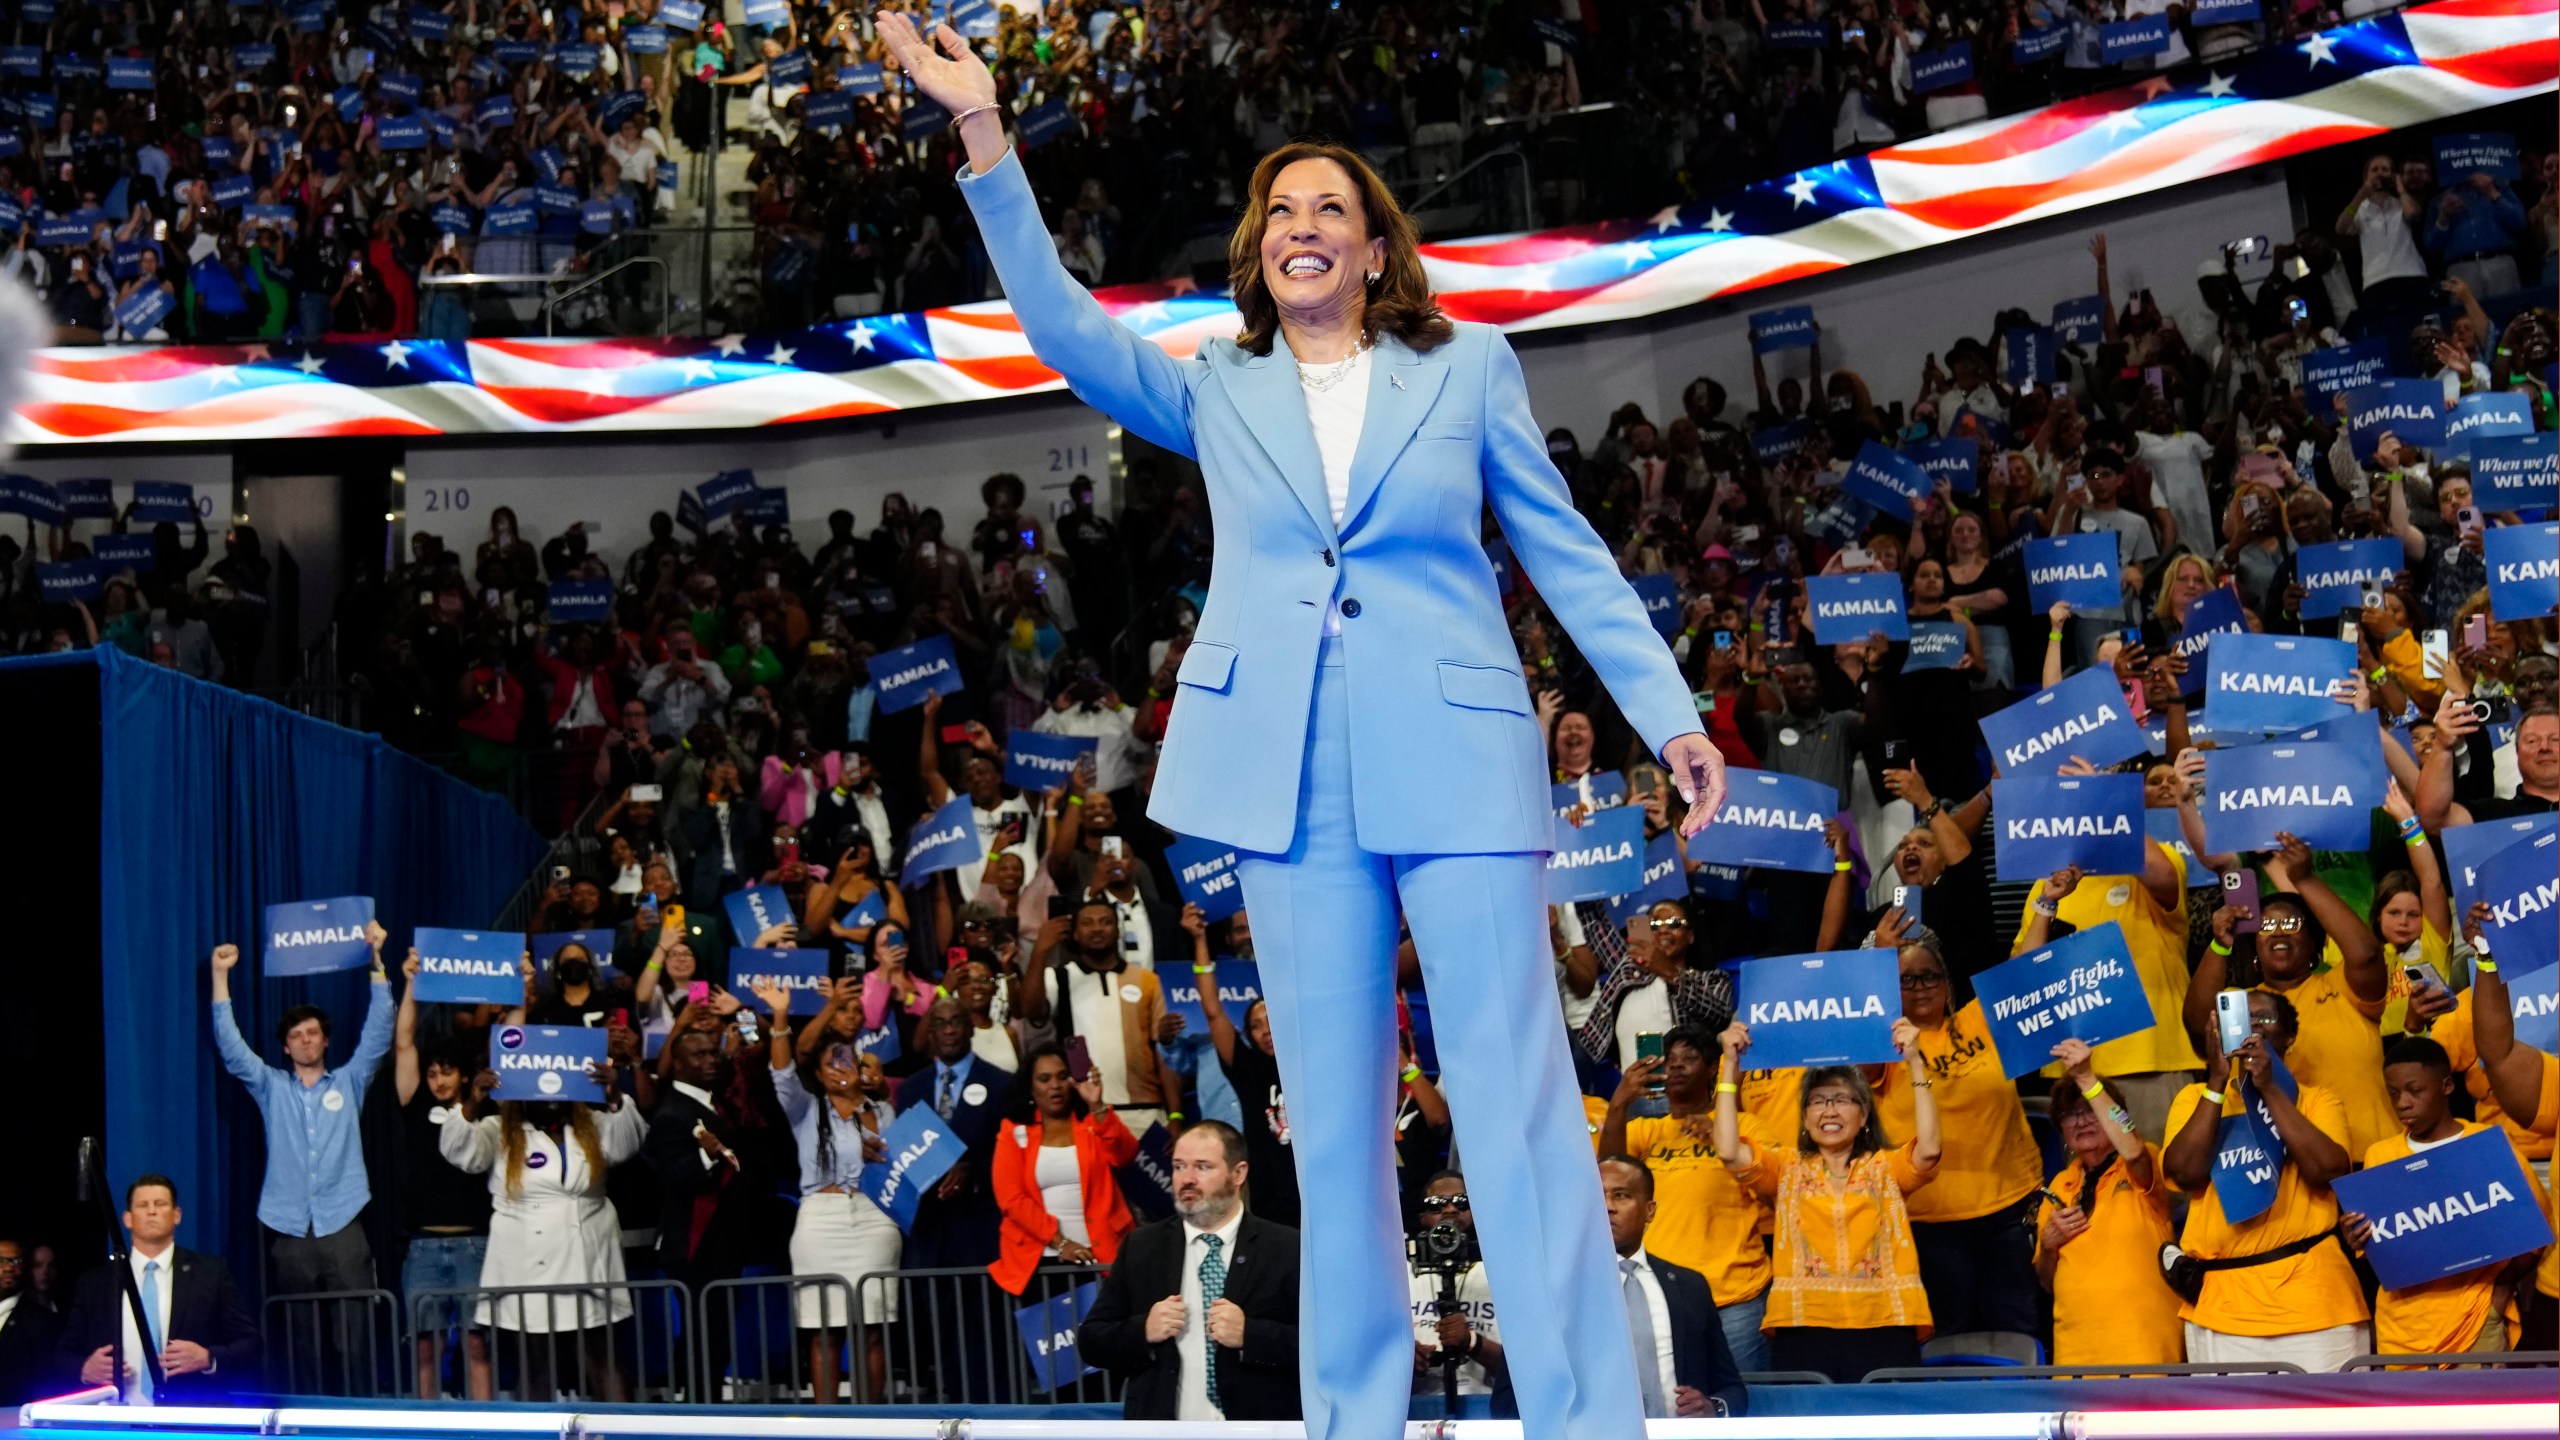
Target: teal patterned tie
x,y
1213,1288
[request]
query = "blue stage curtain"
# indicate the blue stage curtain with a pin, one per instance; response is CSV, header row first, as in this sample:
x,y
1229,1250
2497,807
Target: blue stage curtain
x,y
212,806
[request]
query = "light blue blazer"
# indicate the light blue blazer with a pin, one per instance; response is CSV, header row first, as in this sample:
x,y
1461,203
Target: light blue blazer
x,y
1446,756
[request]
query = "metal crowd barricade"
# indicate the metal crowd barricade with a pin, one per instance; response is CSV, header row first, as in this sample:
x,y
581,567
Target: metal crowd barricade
x,y
2459,1360
955,1340
342,1343
751,1347
549,1342
1907,1373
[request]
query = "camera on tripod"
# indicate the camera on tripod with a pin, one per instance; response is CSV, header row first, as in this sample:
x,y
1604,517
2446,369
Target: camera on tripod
x,y
1444,1248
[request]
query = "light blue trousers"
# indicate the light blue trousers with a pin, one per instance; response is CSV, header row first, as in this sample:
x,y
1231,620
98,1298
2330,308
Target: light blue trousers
x,y
1324,928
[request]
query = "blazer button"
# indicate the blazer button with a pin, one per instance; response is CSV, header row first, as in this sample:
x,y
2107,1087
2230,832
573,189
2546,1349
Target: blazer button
x,y
1350,608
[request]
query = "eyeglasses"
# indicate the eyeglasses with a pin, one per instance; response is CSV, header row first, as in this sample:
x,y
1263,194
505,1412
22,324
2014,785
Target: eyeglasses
x,y
1672,923
1832,1102
1435,1203
1924,980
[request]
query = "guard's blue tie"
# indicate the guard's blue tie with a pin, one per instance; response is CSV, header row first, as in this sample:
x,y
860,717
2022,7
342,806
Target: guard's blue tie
x,y
150,1327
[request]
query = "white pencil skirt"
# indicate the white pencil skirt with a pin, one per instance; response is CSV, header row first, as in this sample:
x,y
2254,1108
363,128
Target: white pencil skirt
x,y
846,1236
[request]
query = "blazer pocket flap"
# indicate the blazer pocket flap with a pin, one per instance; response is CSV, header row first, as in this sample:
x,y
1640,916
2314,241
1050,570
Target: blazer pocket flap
x,y
1483,687
1446,430
1207,665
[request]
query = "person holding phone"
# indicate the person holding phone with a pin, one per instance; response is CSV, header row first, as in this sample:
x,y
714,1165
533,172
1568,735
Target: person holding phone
x,y
1003,816
1086,990
2099,1228
1052,1172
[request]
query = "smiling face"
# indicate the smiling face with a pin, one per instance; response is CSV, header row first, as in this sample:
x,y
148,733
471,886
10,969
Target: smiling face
x,y
2287,943
1317,252
1573,741
1834,1113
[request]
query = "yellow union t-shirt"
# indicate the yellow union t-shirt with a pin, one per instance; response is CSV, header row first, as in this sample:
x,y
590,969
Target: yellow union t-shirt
x,y
2446,1314
2111,1305
2315,1290
1989,1161
2339,1049
2157,938
1704,1219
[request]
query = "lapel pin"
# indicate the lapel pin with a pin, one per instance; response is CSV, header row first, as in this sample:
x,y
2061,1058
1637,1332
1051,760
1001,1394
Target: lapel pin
x,y
1396,380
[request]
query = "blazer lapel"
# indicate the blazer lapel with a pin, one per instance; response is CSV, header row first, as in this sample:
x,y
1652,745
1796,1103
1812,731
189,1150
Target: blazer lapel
x,y
1402,385
1265,389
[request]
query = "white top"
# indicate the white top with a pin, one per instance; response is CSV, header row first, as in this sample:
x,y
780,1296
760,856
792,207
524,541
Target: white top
x,y
1194,1341
2390,251
1336,414
1097,1002
1475,1301
2177,462
1645,1010
1062,1193
994,1044
164,1279
1651,1284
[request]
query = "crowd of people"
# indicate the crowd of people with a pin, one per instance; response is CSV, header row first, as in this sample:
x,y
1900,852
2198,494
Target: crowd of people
x,y
726,723
310,170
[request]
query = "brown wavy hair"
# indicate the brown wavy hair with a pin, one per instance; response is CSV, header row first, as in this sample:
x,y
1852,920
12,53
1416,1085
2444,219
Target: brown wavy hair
x,y
1399,300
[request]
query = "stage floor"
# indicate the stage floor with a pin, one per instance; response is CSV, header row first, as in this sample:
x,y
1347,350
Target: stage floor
x,y
2321,1408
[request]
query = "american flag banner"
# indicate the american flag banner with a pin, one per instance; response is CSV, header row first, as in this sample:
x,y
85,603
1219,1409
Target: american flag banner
x,y
2337,86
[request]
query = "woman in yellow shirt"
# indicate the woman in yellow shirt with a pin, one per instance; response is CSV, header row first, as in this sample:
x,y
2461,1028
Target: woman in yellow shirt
x,y
1847,1297
2476,1309
1977,1257
2098,1251
2283,1289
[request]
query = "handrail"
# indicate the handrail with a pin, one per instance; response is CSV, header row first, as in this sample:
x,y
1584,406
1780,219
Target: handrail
x,y
2451,1359
1528,188
666,290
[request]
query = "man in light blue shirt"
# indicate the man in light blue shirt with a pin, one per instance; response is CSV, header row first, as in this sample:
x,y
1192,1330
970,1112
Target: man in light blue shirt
x,y
315,1185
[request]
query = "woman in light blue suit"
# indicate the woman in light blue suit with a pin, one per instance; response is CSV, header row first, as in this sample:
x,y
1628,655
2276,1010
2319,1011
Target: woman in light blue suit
x,y
1351,663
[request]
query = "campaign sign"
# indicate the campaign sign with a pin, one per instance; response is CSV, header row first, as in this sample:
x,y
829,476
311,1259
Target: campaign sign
x,y
2048,822
555,199
1847,608
1048,1332
2515,472
1836,1008
401,132
2164,827
755,910
128,72
1777,442
2468,847
865,79
495,112
1205,872
2342,369
546,1062
595,217
428,24
2246,1164
1886,480
2081,987
682,14
1798,35
2524,570
399,86
2535,999
2215,612
2075,570
945,840
2223,12
26,495
61,582
881,1043
1595,791
1941,69
2410,411
22,62
645,39
2122,40
2081,320
2449,1209
1664,879
233,191
2459,157
827,110
1034,761
906,674
2477,417
773,13
124,552
1935,645
2323,791
921,119
2037,43
450,218
2332,575
2085,717
546,947
512,216
1769,820
1952,459
145,308
1239,985
2275,682
1789,327
2032,353
789,68
794,970
468,967
1661,596
920,1150
315,937
2521,886
1601,857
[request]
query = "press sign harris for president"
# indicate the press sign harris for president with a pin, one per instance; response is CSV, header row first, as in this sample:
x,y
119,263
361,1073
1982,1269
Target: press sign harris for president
x,y
546,1062
2445,1210
314,937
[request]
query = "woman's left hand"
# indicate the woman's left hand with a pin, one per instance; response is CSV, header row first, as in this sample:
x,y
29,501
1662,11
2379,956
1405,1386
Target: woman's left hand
x,y
1697,768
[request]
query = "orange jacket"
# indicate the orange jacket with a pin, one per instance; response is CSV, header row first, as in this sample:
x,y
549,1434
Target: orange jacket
x,y
1102,1143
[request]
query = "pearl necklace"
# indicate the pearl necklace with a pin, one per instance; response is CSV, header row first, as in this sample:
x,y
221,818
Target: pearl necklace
x,y
1321,378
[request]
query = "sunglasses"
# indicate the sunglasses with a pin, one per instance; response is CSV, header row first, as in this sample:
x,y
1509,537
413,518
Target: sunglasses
x,y
1670,924
2281,924
1432,1204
